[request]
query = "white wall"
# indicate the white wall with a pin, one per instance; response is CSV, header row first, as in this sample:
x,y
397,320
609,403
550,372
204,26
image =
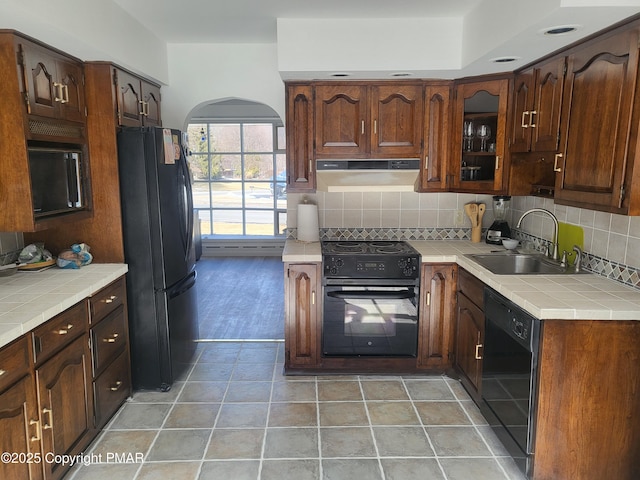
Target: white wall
x,y
202,73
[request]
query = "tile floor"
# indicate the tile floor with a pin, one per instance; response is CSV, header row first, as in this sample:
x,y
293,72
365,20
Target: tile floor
x,y
235,416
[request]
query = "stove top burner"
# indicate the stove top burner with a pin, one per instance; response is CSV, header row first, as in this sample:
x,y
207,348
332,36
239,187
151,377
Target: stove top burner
x,y
367,248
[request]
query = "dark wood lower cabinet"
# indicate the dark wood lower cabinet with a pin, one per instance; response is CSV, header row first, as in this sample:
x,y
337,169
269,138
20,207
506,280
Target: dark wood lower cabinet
x,y
588,425
66,403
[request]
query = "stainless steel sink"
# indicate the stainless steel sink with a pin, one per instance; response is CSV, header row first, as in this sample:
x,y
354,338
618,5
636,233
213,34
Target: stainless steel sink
x,y
519,264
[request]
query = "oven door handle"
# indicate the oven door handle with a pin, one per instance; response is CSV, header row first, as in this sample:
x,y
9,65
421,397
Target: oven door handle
x,y
373,295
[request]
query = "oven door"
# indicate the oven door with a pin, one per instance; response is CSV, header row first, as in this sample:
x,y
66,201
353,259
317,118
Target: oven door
x,y
370,320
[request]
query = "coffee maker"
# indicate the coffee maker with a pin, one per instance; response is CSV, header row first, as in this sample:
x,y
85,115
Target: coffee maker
x,y
499,229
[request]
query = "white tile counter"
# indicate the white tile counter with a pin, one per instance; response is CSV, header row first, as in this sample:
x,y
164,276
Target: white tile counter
x,y
570,297
28,299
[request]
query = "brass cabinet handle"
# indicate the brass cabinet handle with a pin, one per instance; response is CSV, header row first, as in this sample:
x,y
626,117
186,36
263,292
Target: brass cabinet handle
x,y
524,123
375,127
111,339
48,426
37,436
426,162
116,387
313,297
478,347
428,298
59,94
141,109
362,129
531,114
65,330
2,372
555,163
497,162
111,299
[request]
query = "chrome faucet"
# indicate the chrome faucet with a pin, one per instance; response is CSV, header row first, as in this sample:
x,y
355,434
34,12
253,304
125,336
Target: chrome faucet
x,y
554,239
579,256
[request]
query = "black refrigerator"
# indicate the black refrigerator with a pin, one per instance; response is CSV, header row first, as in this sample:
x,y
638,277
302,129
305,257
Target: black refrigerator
x,y
157,216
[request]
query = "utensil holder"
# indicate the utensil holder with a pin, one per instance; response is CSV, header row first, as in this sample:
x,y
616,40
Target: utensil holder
x,y
476,234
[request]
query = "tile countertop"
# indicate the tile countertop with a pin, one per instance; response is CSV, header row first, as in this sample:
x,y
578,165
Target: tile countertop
x,y
28,299
562,297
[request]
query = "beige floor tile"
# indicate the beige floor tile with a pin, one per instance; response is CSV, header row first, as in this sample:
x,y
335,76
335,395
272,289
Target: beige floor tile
x,y
457,441
347,442
211,372
357,468
124,441
230,470
442,413
392,413
121,471
192,415
210,392
294,392
342,414
339,391
384,390
141,415
291,443
402,442
239,415
248,392
167,470
476,468
429,390
410,468
290,470
250,372
154,396
179,445
243,443
293,415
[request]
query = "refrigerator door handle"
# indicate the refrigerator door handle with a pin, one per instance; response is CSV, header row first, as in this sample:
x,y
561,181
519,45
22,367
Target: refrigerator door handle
x,y
188,282
189,207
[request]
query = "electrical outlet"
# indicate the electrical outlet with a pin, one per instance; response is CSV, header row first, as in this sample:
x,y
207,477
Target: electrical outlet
x,y
459,218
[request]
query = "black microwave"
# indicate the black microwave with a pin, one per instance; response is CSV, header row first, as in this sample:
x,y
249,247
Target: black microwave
x,y
58,180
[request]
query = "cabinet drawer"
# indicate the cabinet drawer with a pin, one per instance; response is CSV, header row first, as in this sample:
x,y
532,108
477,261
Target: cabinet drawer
x,y
14,362
112,388
107,300
471,287
59,331
108,338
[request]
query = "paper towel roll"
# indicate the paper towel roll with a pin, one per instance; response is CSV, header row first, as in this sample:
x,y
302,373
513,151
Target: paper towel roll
x,y
308,223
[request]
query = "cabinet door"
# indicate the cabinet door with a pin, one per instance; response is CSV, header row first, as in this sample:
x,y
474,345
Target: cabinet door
x,y
70,77
437,302
299,119
341,113
130,106
301,285
151,99
437,118
597,104
20,429
522,106
66,404
544,119
469,342
396,117
44,93
478,161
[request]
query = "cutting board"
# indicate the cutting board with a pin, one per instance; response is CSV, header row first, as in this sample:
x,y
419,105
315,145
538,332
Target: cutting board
x,y
568,236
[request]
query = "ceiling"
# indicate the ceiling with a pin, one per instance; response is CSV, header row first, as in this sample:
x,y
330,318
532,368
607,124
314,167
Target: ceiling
x,y
473,33
254,21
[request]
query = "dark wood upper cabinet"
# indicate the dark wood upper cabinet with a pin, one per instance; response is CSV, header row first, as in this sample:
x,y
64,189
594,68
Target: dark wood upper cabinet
x,y
138,101
368,121
437,126
53,84
478,157
598,136
536,108
299,121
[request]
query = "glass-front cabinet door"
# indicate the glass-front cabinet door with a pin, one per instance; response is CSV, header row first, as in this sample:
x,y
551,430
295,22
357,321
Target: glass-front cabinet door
x,y
478,159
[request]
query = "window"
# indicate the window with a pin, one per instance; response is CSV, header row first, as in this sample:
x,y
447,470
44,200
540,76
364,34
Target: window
x,y
239,178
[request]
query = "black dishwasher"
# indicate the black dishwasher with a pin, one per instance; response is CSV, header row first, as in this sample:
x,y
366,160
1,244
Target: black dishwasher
x,y
509,375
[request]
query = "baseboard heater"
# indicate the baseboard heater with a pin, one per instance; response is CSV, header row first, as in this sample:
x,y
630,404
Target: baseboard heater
x,y
241,249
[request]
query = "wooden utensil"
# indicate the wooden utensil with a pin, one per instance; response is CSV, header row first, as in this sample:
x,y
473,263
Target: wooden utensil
x,y
471,209
476,230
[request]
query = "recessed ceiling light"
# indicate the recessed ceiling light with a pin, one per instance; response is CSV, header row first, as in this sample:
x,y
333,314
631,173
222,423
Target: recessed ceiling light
x,y
504,59
340,74
401,74
559,30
